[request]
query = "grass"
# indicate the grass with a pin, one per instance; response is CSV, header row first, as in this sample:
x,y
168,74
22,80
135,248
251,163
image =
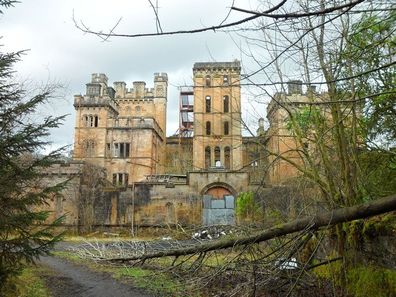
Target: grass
x,y
157,282
150,280
29,283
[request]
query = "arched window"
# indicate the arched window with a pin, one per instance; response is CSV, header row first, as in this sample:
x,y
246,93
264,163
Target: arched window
x,y
225,80
226,103
227,157
207,81
217,156
89,148
208,103
226,128
207,157
208,128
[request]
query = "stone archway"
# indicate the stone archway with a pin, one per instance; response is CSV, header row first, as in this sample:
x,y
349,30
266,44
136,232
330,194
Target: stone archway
x,y
218,204
218,190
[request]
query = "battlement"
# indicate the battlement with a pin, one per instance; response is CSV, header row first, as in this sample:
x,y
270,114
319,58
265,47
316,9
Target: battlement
x,y
136,123
90,101
70,168
99,78
160,76
217,66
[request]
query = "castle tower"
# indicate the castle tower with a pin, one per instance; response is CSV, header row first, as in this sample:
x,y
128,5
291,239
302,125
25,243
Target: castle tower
x,y
217,116
122,129
92,111
160,101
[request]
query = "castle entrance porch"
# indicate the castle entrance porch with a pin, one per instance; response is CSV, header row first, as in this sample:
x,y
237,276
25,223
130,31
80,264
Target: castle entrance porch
x,y
218,206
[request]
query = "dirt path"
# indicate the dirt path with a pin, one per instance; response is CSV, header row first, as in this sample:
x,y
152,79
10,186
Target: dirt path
x,y
68,280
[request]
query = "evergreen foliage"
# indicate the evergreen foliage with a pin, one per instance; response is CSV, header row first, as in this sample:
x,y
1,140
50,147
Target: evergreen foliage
x,y
24,231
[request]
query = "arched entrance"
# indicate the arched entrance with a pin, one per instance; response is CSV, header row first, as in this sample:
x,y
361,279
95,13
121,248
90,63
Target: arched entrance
x,y
218,192
218,204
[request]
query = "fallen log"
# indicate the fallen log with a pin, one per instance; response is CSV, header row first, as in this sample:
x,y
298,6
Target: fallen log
x,y
326,219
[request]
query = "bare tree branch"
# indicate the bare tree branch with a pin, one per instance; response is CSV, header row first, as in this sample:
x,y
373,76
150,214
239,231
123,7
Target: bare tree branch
x,y
333,217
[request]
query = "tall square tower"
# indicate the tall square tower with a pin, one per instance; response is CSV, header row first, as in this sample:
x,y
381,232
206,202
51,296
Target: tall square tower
x,y
217,139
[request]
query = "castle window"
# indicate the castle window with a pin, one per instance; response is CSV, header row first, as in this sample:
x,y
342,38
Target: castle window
x,y
227,157
86,121
225,79
226,128
217,156
207,157
208,103
207,81
208,128
121,150
91,121
120,179
96,118
226,103
89,148
108,150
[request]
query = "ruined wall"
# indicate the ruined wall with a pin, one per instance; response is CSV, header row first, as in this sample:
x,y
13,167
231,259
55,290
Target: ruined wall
x,y
179,155
67,203
148,204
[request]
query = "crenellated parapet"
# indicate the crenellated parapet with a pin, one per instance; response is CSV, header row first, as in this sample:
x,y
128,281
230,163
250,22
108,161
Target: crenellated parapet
x,y
234,66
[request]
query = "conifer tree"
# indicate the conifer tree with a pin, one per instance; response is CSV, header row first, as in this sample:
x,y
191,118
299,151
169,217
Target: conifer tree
x,y
24,231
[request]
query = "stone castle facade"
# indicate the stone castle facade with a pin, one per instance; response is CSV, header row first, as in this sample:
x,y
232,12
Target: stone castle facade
x,y
150,179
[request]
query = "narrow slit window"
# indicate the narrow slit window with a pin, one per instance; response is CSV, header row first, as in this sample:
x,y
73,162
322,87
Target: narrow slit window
x,y
208,128
207,81
207,157
226,103
226,128
217,156
208,103
225,80
227,157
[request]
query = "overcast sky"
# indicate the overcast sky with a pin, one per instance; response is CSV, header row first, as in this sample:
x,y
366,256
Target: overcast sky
x,y
59,52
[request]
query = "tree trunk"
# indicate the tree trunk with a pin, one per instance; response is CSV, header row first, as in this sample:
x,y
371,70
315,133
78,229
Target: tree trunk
x,y
326,219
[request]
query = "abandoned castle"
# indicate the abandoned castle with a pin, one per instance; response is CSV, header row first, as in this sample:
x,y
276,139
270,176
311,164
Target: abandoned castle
x,y
126,171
